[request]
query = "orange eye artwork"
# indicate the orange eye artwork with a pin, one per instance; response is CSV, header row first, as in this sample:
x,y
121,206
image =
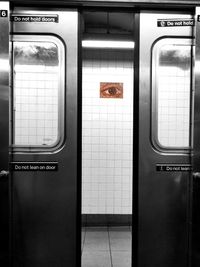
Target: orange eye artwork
x,y
111,90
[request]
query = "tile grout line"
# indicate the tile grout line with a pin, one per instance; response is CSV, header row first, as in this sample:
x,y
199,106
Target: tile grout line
x,y
110,247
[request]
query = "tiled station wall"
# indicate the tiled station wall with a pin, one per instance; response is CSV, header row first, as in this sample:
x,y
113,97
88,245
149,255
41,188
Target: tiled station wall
x,y
107,134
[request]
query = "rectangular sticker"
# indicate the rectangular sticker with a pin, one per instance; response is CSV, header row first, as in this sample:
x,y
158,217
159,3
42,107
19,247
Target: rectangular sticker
x,y
111,90
175,23
173,167
3,13
34,166
35,18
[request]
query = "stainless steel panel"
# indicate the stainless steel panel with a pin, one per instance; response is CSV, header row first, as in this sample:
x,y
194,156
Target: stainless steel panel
x,y
45,203
196,151
163,196
4,131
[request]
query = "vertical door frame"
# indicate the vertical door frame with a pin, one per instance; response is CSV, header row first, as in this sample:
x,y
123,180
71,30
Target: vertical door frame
x,y
4,133
135,203
195,179
79,145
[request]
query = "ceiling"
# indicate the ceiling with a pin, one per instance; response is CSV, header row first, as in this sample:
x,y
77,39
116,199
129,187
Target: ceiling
x,y
108,23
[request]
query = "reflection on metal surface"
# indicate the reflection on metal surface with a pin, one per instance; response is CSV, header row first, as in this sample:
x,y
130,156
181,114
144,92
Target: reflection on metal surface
x,y
197,67
196,175
36,53
174,55
4,65
111,90
108,44
4,173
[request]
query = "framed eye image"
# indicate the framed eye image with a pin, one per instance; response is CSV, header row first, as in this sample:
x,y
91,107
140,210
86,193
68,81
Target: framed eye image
x,y
111,90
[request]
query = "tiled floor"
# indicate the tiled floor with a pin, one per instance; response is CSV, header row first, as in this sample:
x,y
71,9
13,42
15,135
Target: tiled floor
x,y
106,247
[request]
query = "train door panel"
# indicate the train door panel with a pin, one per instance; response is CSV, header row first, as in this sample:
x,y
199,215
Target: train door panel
x,y
4,132
164,145
44,137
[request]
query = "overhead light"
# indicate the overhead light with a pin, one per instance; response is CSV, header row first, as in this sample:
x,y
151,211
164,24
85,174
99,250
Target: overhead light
x,y
108,44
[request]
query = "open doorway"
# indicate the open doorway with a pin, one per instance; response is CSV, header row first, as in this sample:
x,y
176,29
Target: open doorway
x,y
107,139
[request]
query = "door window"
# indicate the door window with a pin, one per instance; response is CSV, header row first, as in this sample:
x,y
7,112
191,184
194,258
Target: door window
x,y
38,88
171,83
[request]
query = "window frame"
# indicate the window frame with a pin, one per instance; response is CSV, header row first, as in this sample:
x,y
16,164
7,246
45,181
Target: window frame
x,y
167,40
61,133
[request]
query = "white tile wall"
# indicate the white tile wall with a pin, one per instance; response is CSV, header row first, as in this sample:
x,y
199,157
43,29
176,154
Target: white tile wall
x,y
174,106
107,134
173,87
35,105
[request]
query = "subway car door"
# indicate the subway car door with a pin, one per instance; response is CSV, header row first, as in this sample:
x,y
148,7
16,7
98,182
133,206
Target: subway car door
x,y
164,139
44,137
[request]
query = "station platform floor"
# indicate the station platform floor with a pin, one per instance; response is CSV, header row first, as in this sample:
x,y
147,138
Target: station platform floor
x,y
106,246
